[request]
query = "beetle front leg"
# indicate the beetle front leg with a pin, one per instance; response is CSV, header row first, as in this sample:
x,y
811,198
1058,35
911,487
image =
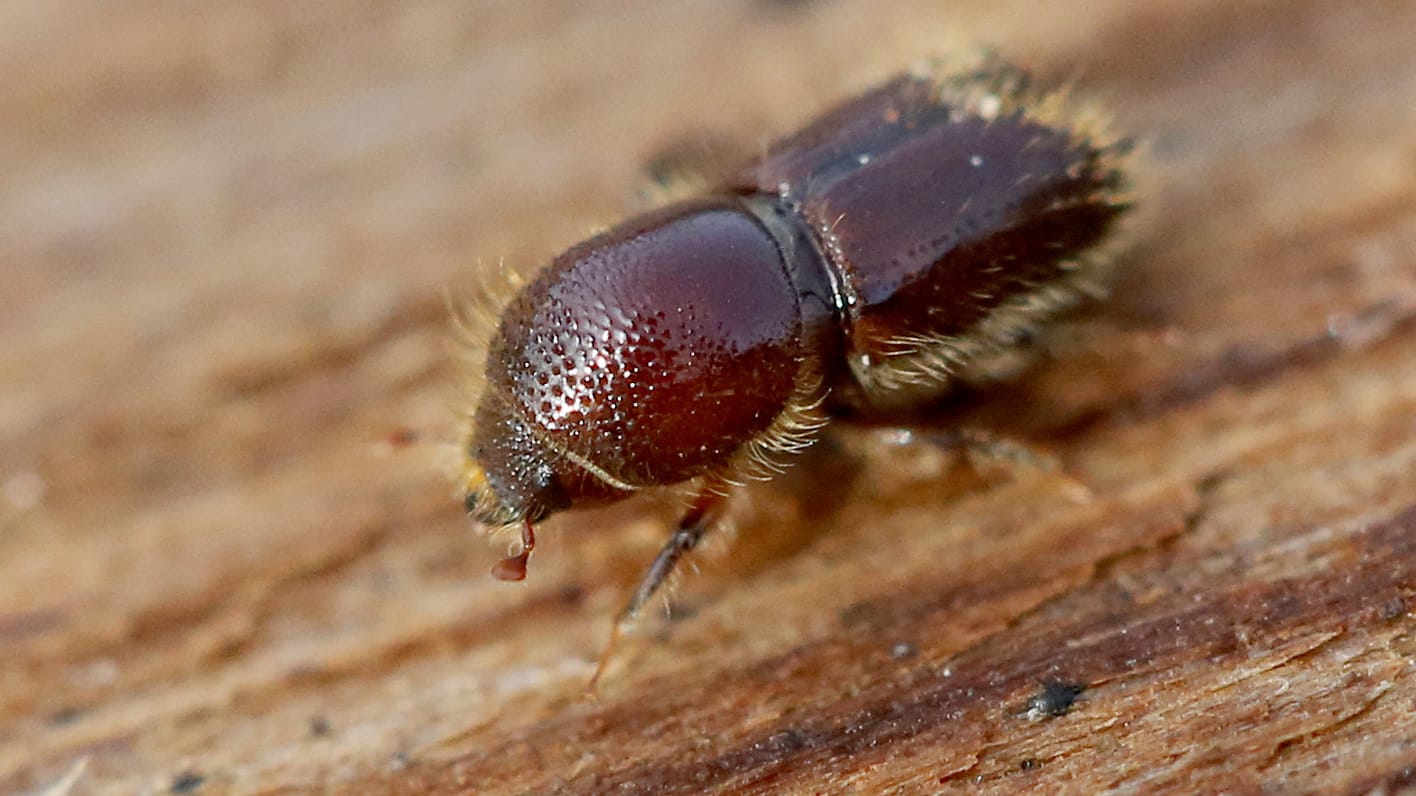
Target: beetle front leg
x,y
691,529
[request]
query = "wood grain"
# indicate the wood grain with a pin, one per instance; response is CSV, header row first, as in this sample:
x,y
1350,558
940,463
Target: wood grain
x,y
225,234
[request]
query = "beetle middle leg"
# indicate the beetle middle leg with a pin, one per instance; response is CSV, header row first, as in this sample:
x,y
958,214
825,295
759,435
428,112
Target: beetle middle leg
x,y
691,529
986,452
690,164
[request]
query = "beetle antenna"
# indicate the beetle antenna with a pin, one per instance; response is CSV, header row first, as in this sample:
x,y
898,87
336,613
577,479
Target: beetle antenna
x,y
514,567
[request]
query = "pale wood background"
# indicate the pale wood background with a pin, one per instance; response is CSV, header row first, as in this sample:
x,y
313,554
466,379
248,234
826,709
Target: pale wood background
x,y
225,230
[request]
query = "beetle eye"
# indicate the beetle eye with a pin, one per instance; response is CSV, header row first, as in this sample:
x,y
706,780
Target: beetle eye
x,y
486,508
471,500
481,500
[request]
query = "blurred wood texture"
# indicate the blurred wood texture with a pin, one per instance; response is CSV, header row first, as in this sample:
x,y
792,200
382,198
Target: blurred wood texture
x,y
225,234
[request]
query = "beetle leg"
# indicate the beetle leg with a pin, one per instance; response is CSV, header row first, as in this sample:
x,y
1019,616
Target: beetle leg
x,y
691,529
690,165
988,452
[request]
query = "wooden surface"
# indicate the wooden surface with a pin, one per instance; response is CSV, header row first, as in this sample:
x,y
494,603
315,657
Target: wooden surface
x,y
224,238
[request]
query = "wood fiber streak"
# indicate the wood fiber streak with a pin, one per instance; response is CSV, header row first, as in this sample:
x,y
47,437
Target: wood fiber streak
x,y
224,239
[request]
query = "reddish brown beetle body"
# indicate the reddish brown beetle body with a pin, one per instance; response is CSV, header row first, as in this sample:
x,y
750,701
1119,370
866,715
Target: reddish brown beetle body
x,y
903,241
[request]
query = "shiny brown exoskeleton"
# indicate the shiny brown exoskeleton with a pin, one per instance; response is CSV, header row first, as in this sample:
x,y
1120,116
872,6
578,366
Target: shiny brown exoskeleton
x,y
906,240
